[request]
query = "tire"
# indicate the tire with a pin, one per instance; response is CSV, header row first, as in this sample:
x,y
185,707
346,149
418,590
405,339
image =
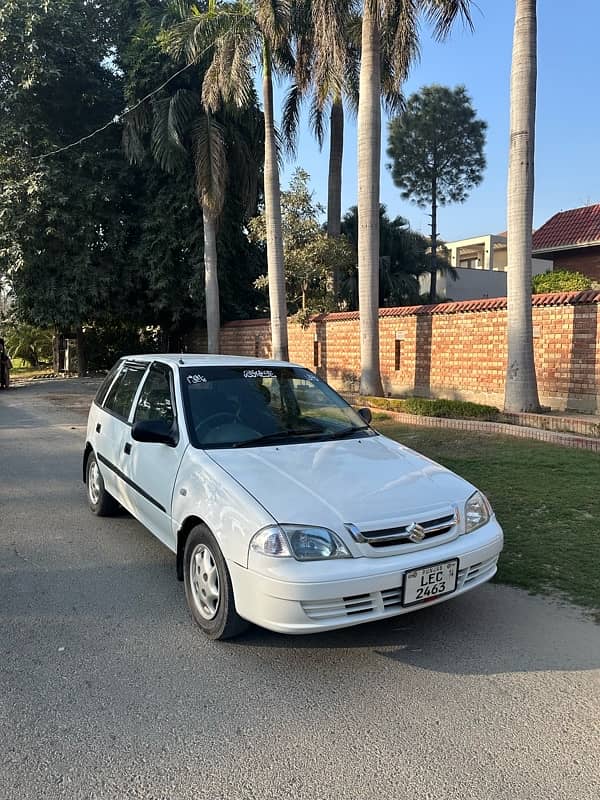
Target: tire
x,y
208,589
101,503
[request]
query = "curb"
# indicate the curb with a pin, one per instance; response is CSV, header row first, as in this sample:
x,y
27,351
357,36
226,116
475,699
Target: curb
x,y
504,428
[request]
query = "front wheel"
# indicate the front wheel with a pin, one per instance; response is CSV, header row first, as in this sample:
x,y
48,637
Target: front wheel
x,y
208,589
101,503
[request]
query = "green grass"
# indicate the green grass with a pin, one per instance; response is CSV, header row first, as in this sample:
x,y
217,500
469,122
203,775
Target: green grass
x,y
25,371
546,497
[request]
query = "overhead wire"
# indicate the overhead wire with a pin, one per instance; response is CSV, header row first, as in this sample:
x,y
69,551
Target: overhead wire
x,y
127,110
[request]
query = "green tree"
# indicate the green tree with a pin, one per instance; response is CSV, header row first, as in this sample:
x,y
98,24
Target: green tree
x,y
30,344
241,36
436,146
521,393
309,254
403,258
390,33
222,147
64,220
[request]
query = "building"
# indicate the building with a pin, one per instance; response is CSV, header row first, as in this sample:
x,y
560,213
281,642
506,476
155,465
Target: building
x,y
480,263
572,240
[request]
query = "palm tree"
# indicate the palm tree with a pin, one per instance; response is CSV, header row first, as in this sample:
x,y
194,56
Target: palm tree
x,y
390,33
180,129
239,35
521,393
403,258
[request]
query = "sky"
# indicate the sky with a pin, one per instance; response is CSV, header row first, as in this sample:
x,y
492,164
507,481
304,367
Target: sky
x,y
567,164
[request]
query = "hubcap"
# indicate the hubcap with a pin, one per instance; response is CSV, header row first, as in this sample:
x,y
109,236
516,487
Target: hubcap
x,y
204,582
94,483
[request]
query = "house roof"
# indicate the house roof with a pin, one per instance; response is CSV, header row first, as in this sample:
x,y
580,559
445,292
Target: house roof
x,y
572,228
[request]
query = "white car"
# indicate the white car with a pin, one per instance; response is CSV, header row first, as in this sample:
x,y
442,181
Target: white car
x,y
284,507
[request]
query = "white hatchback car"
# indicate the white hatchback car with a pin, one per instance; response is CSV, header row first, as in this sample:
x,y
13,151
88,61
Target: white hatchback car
x,y
283,506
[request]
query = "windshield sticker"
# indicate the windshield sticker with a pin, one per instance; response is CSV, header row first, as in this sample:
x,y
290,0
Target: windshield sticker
x,y
196,379
259,373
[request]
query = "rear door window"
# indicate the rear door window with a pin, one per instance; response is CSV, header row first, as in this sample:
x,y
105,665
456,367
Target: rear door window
x,y
120,397
156,401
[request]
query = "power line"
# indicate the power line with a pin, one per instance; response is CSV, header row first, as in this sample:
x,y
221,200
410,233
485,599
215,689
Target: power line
x,y
118,117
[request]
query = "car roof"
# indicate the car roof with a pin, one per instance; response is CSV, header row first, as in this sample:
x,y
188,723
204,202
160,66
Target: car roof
x,y
207,360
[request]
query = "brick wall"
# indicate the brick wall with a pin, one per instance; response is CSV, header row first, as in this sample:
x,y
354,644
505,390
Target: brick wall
x,y
454,350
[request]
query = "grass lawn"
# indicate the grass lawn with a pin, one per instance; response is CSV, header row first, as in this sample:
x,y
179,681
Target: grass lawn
x,y
21,370
546,497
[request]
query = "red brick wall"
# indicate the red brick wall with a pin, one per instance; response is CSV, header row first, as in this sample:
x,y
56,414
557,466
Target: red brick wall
x,y
586,260
455,350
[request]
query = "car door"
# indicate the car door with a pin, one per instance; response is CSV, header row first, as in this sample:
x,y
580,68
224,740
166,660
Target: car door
x,y
112,429
151,468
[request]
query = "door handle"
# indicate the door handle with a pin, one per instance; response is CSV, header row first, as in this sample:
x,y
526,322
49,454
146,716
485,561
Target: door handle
x,y
98,428
127,448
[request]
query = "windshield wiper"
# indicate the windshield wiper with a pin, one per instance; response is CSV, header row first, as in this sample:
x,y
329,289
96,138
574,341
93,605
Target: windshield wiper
x,y
347,431
277,436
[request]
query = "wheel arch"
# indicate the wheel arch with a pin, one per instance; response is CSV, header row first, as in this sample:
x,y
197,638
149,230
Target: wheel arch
x,y
86,454
188,525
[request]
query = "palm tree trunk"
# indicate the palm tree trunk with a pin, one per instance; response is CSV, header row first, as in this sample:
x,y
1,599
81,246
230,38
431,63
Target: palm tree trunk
x,y
334,185
275,263
211,281
369,157
521,392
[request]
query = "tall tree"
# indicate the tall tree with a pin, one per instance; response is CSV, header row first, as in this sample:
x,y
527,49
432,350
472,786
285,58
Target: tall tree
x,y
64,221
436,146
390,30
327,41
521,393
308,252
238,35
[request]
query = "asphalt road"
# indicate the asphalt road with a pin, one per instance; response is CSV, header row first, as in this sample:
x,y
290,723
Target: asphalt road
x,y
108,691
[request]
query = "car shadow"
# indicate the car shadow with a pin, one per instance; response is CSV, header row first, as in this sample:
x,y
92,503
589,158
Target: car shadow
x,y
493,629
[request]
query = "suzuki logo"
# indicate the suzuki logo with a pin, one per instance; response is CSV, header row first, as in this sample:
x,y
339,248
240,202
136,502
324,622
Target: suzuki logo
x,y
415,532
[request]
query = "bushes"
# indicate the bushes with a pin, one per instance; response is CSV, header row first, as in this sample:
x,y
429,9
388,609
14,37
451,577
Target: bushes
x,y
560,281
424,407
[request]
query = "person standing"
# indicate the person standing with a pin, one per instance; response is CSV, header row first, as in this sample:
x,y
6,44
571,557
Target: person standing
x,y
5,366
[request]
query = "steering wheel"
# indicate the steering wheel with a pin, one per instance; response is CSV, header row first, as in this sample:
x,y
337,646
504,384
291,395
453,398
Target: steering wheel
x,y
224,416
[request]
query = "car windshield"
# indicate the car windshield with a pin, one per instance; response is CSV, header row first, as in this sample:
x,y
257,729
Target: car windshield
x,y
253,406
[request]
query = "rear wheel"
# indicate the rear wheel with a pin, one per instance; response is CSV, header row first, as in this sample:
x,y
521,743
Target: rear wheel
x,y
100,501
208,587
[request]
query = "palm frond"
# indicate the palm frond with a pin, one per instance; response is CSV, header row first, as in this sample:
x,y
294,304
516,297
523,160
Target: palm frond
x,y
165,150
291,117
210,159
136,126
442,14
273,18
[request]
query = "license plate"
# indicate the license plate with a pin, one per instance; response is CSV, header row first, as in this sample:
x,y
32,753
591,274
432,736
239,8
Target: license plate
x,y
428,583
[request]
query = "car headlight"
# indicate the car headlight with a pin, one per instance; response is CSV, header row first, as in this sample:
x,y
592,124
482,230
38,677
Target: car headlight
x,y
302,542
477,512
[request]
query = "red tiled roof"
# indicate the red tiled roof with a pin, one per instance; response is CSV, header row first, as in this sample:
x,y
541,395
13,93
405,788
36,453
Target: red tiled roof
x,y
588,296
574,227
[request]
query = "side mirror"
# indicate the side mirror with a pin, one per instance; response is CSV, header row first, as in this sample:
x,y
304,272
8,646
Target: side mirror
x,y
156,431
365,413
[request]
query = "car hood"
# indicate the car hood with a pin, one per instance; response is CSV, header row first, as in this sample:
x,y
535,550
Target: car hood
x,y
366,481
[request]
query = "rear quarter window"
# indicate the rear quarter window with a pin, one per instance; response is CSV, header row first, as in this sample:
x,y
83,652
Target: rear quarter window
x,y
120,397
106,383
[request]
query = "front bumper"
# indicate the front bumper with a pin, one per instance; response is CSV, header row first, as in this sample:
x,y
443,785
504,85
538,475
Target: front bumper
x,y
288,596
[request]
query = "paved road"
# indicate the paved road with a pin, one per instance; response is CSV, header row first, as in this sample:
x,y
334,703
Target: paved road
x,y
108,691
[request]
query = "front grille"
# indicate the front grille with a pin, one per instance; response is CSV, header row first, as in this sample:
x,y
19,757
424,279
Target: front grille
x,y
388,537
